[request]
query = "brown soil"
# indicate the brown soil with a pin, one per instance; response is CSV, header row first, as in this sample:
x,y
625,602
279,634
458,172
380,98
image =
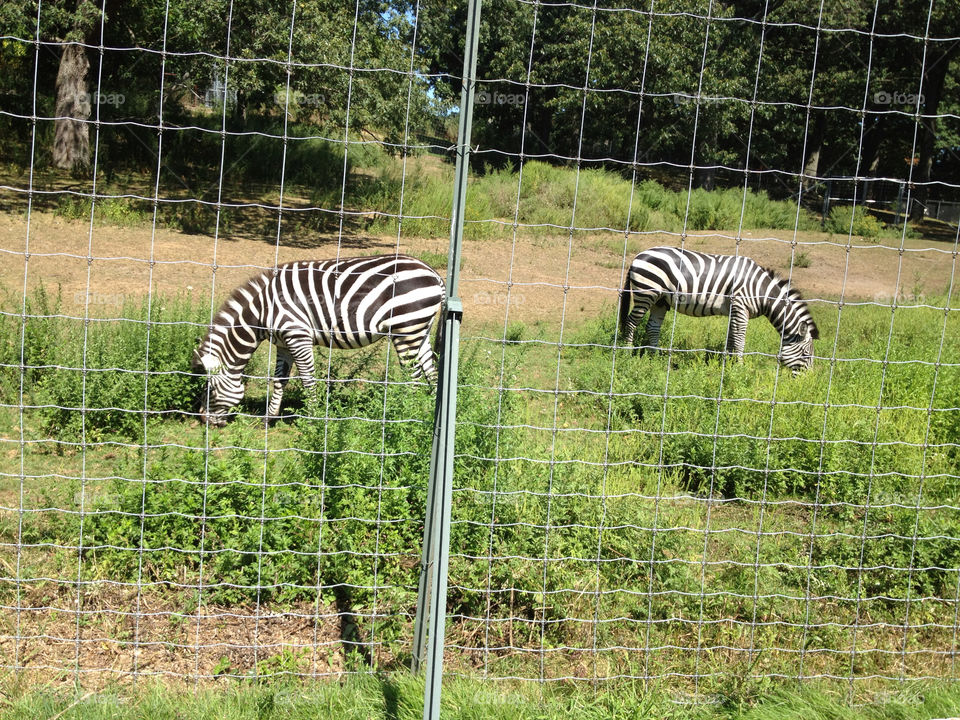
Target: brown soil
x,y
548,277
118,635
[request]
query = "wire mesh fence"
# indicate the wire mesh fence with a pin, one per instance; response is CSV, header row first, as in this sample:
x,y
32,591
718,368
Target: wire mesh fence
x,y
678,518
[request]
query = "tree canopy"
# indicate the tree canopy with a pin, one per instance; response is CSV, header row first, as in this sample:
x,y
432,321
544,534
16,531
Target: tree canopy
x,y
780,94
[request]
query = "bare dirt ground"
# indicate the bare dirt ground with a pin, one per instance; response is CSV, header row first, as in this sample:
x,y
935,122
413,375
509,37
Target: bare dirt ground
x,y
119,634
548,277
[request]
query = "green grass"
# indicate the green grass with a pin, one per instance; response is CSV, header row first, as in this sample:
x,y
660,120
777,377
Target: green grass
x,y
400,697
858,222
120,212
654,504
545,199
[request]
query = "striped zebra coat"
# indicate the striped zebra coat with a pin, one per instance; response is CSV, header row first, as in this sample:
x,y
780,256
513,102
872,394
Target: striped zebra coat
x,y
343,303
699,284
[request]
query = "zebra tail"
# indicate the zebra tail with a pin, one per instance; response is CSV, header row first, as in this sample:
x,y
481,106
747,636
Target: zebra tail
x,y
625,297
440,336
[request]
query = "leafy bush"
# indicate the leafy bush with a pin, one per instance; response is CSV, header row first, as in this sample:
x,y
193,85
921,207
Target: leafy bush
x,y
345,517
221,519
37,331
103,378
847,220
743,441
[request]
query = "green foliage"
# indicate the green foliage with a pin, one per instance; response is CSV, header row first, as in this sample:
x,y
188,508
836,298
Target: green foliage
x,y
121,212
101,376
547,199
717,437
221,518
384,696
25,340
555,521
847,220
372,458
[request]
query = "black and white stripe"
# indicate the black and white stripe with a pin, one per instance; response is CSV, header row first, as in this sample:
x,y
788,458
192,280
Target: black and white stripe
x,y
699,284
343,303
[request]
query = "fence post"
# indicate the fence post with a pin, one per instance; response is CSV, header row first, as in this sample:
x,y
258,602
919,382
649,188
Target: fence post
x,y
432,592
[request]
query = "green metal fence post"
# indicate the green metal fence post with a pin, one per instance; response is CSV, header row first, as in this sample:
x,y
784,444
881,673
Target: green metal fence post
x,y
432,594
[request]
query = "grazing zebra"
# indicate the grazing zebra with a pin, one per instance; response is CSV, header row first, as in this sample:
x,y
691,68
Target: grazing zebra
x,y
345,303
699,284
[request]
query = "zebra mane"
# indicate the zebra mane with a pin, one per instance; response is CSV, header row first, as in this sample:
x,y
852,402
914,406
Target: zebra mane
x,y
794,295
225,316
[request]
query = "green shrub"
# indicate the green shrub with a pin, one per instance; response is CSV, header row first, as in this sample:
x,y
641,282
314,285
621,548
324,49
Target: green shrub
x,y
101,379
37,328
123,212
221,519
847,220
750,443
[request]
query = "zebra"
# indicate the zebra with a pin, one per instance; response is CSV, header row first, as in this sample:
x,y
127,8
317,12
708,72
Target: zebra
x,y
338,303
699,284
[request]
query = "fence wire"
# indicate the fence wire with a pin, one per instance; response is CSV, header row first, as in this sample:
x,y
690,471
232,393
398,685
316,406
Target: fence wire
x,y
675,518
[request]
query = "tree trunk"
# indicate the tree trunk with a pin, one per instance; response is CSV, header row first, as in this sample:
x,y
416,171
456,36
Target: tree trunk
x,y
811,164
934,76
705,173
873,137
71,140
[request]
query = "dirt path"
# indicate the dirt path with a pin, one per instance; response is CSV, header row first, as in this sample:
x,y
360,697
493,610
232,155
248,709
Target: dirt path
x,y
552,276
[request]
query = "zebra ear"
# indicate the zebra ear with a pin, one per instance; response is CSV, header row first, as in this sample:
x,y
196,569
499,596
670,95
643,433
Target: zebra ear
x,y
814,332
208,363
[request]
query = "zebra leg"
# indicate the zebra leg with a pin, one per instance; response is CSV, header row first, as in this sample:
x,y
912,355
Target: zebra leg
x,y
737,330
416,355
651,338
641,304
280,379
300,349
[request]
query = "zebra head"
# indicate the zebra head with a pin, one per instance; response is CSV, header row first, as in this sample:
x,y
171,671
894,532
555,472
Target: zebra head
x,y
797,349
223,388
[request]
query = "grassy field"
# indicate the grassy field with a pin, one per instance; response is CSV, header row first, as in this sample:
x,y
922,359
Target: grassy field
x,y
719,529
400,697
672,516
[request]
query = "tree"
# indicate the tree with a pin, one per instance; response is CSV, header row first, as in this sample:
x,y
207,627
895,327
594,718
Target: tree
x,y
71,140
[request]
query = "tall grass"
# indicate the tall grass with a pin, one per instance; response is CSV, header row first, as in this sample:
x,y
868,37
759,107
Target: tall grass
x,y
400,697
697,499
545,198
379,192
89,378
